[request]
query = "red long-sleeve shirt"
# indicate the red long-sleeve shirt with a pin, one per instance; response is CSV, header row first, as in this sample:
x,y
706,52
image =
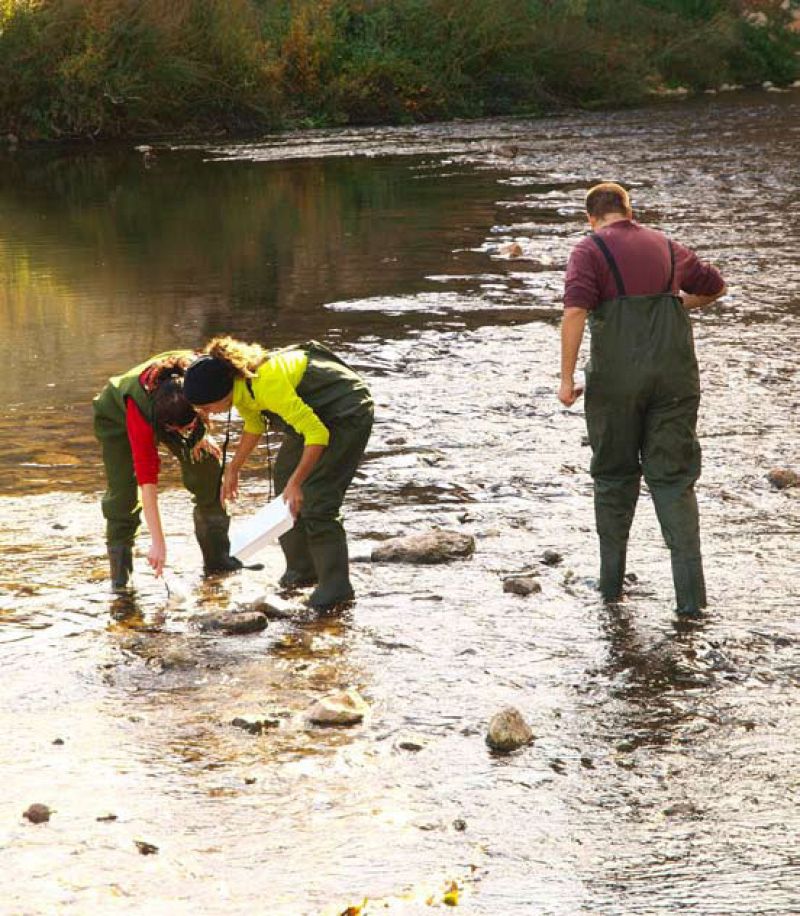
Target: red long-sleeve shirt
x,y
642,257
142,437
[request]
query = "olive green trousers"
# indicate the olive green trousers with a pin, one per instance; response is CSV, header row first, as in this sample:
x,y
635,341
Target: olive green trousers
x,y
121,504
316,547
642,397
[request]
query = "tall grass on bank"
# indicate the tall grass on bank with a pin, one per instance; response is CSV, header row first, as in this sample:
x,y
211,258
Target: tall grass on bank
x,y
106,68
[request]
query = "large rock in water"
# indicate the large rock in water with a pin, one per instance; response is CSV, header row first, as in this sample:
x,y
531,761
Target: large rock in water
x,y
434,546
347,707
232,623
508,731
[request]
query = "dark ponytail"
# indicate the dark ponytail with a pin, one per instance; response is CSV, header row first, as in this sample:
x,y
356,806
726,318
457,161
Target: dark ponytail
x,y
170,407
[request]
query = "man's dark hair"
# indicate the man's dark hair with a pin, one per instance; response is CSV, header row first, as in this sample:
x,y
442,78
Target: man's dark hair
x,y
607,197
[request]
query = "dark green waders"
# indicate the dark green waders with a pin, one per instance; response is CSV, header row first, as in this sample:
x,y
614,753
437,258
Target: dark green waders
x,y
122,508
316,547
642,396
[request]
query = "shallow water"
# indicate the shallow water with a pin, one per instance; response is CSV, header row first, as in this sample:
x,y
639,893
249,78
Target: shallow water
x,y
663,777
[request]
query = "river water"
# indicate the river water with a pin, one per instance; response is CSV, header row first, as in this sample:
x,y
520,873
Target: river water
x,y
664,773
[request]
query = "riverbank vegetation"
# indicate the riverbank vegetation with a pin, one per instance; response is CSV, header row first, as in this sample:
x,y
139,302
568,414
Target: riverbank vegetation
x,y
113,68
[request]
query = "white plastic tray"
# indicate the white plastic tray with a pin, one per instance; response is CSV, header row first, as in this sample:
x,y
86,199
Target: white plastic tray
x,y
251,535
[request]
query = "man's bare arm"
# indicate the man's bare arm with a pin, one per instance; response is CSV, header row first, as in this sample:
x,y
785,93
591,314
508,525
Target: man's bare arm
x,y
572,325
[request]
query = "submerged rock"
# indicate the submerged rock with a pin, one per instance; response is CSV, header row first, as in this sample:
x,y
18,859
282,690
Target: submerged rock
x,y
177,657
37,813
783,478
508,731
436,546
681,809
272,607
255,725
521,585
231,622
347,707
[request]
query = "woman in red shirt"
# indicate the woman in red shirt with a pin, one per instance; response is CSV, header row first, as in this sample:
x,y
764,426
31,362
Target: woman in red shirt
x,y
133,414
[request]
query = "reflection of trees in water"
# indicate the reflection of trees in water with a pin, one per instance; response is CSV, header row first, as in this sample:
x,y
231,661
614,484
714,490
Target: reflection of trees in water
x,y
105,261
265,236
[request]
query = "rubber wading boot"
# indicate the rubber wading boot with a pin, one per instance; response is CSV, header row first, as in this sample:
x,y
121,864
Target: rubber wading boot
x,y
690,586
299,564
120,557
612,573
211,531
329,552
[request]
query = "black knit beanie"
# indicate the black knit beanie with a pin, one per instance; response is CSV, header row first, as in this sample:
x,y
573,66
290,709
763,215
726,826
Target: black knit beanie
x,y
207,380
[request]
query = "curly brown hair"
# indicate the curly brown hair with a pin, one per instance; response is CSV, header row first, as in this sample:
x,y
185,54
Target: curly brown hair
x,y
243,358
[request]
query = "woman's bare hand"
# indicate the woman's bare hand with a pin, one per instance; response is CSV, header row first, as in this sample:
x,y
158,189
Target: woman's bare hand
x,y
206,446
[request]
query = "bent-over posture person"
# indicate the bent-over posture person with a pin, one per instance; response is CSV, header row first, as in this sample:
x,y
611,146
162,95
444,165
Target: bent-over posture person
x,y
642,382
325,412
132,414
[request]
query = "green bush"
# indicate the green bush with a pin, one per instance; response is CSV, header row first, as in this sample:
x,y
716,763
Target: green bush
x,y
105,68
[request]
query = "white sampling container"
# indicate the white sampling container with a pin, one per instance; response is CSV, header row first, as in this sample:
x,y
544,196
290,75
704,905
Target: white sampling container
x,y
251,535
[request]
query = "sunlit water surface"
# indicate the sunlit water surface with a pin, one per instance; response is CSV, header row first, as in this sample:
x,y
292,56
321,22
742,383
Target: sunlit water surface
x,y
663,777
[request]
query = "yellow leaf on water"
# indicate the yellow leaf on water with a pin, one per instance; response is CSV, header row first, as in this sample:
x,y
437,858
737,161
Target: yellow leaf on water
x,y
451,895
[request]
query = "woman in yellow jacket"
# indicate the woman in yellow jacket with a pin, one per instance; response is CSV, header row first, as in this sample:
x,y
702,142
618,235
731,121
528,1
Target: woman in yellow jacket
x,y
325,411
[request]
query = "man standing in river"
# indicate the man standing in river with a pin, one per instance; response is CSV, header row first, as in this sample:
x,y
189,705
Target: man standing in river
x,y
642,383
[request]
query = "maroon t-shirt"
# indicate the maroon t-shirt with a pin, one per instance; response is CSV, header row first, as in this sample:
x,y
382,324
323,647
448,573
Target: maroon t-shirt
x,y
642,256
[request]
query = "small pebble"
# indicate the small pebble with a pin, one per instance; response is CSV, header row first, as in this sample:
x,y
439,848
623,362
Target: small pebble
x,y
508,731
681,809
146,849
521,585
37,814
255,726
411,744
783,478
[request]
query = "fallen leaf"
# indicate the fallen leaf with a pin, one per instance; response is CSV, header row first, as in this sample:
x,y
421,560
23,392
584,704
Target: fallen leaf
x,y
451,895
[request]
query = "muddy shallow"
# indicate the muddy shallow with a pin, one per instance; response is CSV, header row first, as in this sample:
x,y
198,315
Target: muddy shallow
x,y
663,777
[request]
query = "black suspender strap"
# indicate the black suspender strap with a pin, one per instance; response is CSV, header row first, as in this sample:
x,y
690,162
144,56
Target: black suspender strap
x,y
671,267
225,449
612,264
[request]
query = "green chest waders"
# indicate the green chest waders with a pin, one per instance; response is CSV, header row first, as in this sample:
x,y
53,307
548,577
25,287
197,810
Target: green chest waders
x,y
121,505
642,396
316,547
